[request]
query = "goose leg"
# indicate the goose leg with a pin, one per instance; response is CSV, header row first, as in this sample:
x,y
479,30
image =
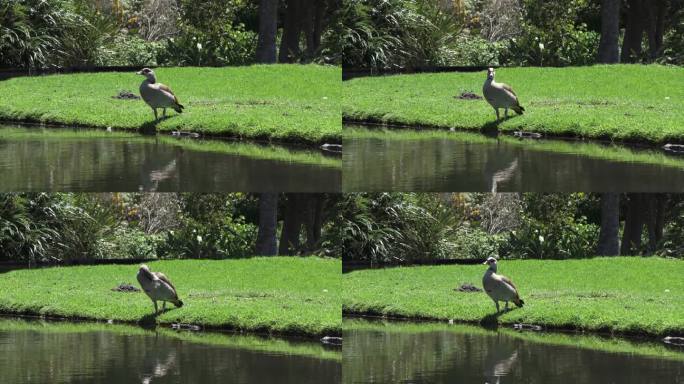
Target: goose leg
x,y
506,305
506,113
164,305
497,113
164,114
156,309
497,306
155,113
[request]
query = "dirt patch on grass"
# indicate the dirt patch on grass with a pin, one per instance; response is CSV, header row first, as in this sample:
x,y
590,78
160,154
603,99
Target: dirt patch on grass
x,y
468,96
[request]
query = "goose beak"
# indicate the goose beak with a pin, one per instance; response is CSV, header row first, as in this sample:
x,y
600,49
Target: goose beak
x,y
139,73
486,262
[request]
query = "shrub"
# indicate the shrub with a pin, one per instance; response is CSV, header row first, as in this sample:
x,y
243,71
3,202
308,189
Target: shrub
x,y
126,49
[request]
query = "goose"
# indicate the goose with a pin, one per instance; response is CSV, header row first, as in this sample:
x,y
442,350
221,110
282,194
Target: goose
x,y
499,287
158,287
500,95
157,95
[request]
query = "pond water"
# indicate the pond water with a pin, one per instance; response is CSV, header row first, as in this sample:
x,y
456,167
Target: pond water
x,y
34,159
442,353
32,352
455,161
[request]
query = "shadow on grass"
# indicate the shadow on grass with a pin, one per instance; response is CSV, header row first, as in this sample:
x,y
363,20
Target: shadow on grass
x,y
150,127
492,127
491,321
151,318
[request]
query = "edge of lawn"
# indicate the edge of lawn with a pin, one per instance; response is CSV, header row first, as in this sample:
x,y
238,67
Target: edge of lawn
x,y
590,341
373,122
253,149
231,340
645,154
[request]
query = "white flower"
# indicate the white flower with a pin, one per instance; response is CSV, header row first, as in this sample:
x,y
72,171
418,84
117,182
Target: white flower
x,y
199,238
199,46
541,46
541,238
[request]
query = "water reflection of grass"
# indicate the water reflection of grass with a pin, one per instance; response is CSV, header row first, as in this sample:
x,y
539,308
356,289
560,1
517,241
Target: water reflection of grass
x,y
247,149
576,340
293,103
609,152
229,340
621,102
617,294
278,295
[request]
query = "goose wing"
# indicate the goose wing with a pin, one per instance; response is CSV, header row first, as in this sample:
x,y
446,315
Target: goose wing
x,y
165,279
508,89
509,282
168,90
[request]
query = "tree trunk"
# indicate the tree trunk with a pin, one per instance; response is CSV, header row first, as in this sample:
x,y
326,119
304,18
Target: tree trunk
x,y
292,28
314,220
634,224
657,12
293,218
267,243
609,243
268,27
608,51
634,31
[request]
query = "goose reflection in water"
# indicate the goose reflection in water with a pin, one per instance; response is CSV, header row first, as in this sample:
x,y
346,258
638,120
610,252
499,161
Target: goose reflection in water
x,y
156,365
504,175
159,175
499,362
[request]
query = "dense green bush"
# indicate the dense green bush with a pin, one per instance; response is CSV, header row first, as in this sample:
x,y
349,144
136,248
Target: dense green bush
x,y
394,228
553,226
552,36
209,228
126,49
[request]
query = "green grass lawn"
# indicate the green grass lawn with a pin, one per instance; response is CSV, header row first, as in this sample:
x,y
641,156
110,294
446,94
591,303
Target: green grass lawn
x,y
619,294
280,295
288,103
617,102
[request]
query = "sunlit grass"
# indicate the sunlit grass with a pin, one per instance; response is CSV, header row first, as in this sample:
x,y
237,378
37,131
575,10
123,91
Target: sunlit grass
x,y
282,295
293,103
619,102
619,294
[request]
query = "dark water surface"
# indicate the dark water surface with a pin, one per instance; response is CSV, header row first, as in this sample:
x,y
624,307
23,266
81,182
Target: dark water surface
x,y
70,354
458,354
458,164
125,164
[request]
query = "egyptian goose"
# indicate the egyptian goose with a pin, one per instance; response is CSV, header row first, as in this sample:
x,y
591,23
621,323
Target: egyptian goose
x,y
157,95
499,287
500,95
158,287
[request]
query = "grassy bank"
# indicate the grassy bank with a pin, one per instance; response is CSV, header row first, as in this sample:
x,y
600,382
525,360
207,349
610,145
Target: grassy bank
x,y
591,342
280,295
623,295
288,103
229,147
596,150
617,102
228,340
